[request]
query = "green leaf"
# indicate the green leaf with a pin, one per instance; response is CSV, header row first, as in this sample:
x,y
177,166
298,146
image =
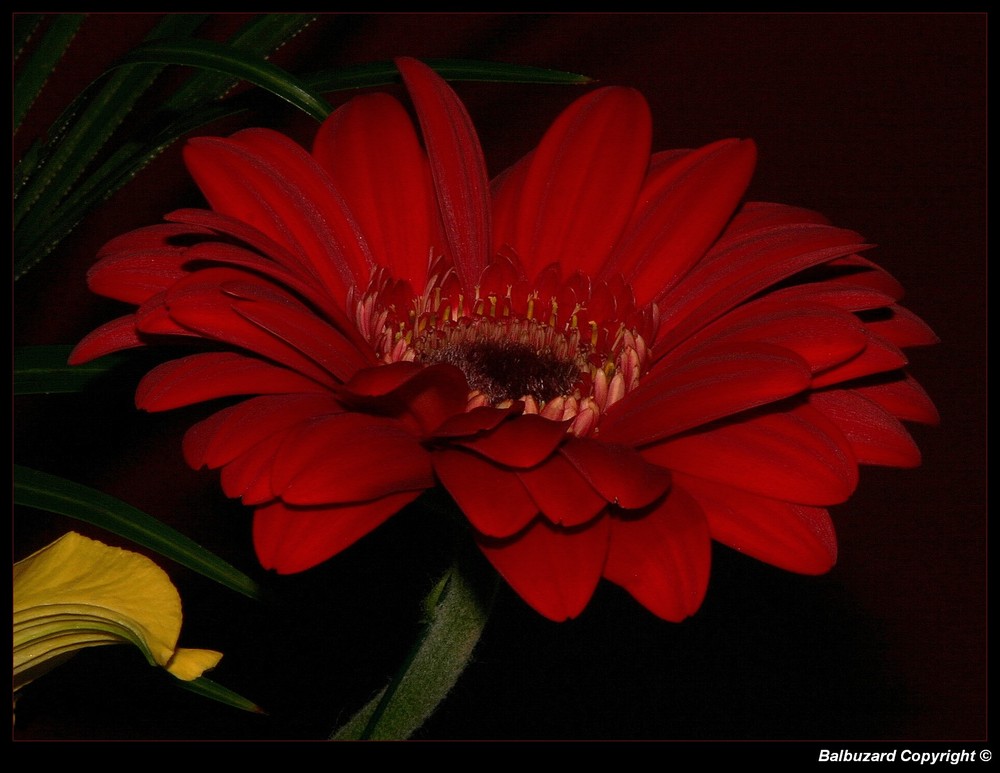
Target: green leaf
x,y
382,73
209,689
42,491
23,28
194,104
224,65
76,141
43,370
50,50
231,61
128,160
260,36
457,610
503,72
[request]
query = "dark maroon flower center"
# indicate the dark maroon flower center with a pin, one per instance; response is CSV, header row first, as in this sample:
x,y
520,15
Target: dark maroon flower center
x,y
566,354
508,370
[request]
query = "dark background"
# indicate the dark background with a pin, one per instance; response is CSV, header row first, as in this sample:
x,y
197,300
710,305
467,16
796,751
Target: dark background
x,y
876,120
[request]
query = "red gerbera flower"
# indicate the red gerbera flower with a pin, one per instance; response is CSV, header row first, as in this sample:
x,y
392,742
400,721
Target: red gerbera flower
x,y
604,359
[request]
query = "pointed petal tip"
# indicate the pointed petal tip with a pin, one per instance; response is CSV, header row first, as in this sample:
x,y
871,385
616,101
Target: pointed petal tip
x,y
457,167
553,569
114,336
744,158
78,356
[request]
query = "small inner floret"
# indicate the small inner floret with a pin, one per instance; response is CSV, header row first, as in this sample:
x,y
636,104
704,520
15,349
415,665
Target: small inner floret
x,y
507,370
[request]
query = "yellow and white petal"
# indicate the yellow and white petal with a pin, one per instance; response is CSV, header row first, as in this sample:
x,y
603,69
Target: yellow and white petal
x,y
78,592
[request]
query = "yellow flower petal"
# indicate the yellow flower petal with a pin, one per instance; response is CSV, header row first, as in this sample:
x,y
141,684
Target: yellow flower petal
x,y
188,664
78,592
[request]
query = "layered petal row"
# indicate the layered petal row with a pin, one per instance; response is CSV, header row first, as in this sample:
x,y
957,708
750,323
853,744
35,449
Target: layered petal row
x,y
605,356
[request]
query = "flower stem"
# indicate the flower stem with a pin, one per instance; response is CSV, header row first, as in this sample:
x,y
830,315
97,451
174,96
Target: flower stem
x,y
456,610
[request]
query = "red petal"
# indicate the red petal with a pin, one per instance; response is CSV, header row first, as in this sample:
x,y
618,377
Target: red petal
x,y
293,539
248,476
717,382
834,293
618,473
685,206
284,317
371,151
251,237
904,398
198,437
757,215
303,284
214,302
903,328
740,266
349,457
382,380
561,492
163,239
110,337
153,319
506,188
306,287
663,557
793,537
457,166
875,435
233,431
797,455
424,397
878,356
265,180
583,182
822,335
555,570
856,270
477,420
200,377
524,441
492,499
137,266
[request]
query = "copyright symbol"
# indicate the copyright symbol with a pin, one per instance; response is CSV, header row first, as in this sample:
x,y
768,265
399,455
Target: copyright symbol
x,y
985,755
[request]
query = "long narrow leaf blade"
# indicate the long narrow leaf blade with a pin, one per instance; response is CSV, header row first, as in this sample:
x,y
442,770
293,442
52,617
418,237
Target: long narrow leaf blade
x,y
382,73
42,370
126,162
23,28
195,103
80,134
226,59
216,692
79,139
50,50
260,36
43,491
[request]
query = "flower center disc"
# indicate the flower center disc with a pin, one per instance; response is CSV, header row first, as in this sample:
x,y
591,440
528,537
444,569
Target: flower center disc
x,y
506,370
544,351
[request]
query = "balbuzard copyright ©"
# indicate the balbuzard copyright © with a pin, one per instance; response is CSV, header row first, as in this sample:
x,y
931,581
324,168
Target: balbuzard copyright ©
x,y
949,757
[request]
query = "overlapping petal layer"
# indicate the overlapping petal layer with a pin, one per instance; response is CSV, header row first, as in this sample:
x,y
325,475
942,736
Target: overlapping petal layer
x,y
604,357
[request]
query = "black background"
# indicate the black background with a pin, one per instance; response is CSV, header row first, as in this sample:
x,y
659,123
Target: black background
x,y
876,120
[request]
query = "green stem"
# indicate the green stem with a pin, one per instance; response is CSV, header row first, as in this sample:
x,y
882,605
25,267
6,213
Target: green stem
x,y
457,610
